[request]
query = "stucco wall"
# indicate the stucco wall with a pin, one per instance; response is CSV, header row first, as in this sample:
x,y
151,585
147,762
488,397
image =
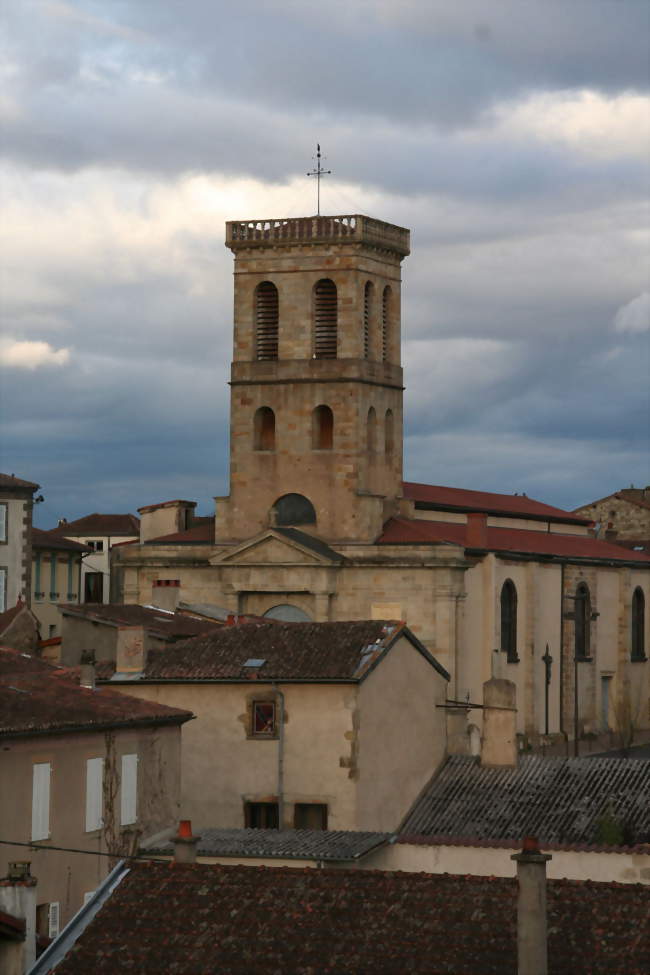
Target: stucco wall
x,y
14,551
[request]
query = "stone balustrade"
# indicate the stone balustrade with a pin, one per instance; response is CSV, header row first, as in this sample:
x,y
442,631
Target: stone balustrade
x,y
353,227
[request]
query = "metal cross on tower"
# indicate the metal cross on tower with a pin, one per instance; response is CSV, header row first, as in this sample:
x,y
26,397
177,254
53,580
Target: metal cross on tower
x,y
318,172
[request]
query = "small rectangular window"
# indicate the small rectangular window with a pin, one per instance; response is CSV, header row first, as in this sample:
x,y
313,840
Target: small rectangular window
x,y
261,815
264,719
41,773
129,787
310,815
94,793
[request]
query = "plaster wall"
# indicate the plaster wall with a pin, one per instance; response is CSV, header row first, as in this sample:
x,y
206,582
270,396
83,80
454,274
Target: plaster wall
x,y
56,580
14,551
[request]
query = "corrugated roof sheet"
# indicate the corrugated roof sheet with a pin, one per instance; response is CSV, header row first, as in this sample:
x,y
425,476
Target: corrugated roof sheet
x,y
460,499
242,920
400,531
299,844
557,800
101,524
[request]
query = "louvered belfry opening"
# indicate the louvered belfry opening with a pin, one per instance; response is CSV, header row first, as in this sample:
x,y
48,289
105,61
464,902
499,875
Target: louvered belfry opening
x,y
367,313
266,321
325,319
385,322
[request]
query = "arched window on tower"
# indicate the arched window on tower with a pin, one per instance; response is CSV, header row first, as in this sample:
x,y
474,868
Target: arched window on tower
x,y
294,509
389,433
264,429
368,298
386,312
509,620
372,431
325,319
638,625
266,321
582,622
322,428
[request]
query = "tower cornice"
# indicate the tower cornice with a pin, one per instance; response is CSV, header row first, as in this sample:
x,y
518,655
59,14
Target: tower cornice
x,y
344,228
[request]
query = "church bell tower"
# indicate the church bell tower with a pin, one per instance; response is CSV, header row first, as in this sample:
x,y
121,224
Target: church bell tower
x,y
316,379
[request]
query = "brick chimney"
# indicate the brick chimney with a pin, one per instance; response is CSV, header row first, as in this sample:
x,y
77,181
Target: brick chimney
x,y
185,843
87,672
499,741
130,655
476,536
18,898
532,954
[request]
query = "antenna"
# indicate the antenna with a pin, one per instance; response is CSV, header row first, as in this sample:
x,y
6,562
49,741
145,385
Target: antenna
x,y
318,172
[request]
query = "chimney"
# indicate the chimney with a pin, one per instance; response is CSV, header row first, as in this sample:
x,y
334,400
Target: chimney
x,y
130,655
532,955
18,898
499,742
185,843
476,536
87,670
458,735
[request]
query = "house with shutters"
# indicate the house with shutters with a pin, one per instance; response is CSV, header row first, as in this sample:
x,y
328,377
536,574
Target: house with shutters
x,y
81,768
98,533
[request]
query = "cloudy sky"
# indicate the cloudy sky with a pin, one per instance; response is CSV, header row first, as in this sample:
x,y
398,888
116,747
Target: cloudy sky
x,y
511,136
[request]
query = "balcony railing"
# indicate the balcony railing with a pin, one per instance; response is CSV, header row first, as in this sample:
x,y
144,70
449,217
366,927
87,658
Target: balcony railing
x,y
353,227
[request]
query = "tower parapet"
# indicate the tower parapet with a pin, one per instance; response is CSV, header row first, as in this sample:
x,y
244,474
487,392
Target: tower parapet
x,y
354,227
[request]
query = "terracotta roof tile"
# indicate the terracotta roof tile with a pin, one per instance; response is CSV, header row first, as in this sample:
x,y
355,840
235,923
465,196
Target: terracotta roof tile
x,y
460,499
400,531
200,534
34,700
9,481
241,920
100,524
49,540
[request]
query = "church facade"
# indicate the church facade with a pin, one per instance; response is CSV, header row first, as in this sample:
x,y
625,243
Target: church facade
x,y
319,523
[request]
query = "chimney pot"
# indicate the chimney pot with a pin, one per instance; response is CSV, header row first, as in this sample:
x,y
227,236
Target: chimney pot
x,y
87,674
530,845
185,828
185,843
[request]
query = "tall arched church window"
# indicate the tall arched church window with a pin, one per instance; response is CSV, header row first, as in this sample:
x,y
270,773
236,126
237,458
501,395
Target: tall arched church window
x,y
266,321
389,433
368,296
372,430
264,429
322,428
509,620
325,319
582,621
386,308
638,624
294,509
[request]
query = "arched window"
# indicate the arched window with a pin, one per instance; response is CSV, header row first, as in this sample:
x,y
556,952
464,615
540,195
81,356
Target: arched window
x,y
266,321
372,431
264,429
386,308
368,297
509,620
582,621
389,433
294,509
638,624
322,428
325,319
288,613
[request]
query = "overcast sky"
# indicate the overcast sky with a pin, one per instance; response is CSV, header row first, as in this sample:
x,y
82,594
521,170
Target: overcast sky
x,y
511,136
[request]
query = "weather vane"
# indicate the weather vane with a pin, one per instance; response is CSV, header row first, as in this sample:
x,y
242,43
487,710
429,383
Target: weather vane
x,y
318,172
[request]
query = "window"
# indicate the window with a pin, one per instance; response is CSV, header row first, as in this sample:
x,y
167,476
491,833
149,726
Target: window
x,y
372,430
509,620
389,433
97,545
368,296
386,302
53,593
263,719
266,321
310,815
261,815
94,793
638,625
322,428
325,319
41,773
582,622
93,587
3,522
264,429
294,509
129,790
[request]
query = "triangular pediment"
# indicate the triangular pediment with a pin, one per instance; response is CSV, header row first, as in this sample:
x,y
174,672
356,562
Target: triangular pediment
x,y
274,548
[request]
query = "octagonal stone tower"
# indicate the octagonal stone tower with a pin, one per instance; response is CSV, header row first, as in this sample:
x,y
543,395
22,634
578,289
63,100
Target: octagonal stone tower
x,y
316,380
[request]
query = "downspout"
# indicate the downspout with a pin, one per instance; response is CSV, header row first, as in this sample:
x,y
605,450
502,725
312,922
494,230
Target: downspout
x,y
280,695
562,661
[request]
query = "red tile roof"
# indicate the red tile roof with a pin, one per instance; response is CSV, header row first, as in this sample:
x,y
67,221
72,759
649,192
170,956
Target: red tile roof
x,y
9,615
242,920
401,531
9,481
50,540
98,524
159,622
198,534
35,700
458,499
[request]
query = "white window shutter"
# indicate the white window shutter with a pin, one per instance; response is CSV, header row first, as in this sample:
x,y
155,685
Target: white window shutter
x,y
129,794
41,800
94,793
53,920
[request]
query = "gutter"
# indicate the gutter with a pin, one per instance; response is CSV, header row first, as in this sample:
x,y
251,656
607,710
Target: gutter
x,y
65,729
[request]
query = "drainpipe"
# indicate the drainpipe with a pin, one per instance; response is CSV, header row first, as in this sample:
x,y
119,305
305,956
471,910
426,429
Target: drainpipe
x,y
280,757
